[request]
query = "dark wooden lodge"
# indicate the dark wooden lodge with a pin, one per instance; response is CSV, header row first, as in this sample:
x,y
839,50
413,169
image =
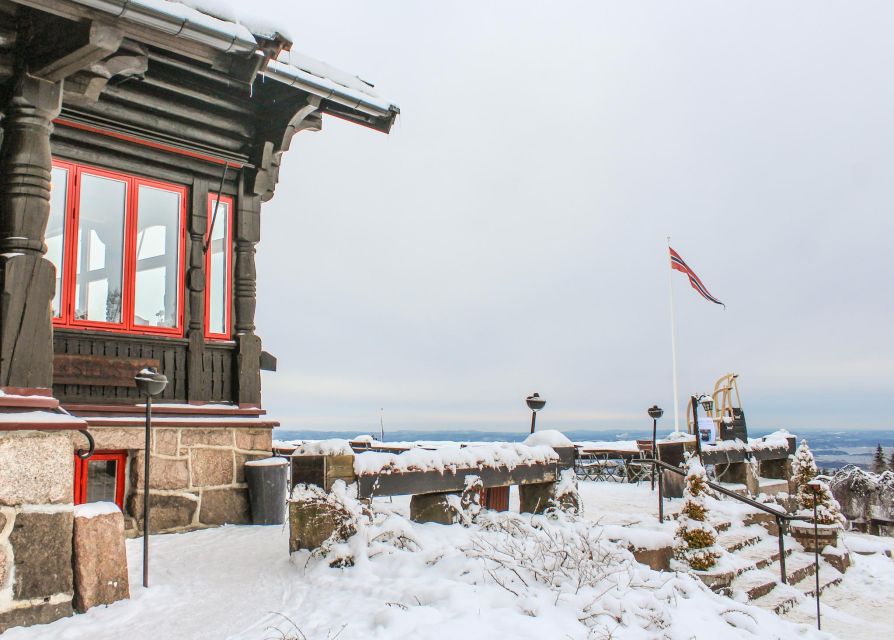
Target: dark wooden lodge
x,y
139,139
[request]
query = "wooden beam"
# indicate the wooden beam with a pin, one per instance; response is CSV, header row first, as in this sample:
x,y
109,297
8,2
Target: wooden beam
x,y
419,482
101,41
100,371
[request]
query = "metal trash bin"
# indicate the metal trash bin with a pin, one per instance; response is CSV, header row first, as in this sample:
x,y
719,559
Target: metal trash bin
x,y
267,489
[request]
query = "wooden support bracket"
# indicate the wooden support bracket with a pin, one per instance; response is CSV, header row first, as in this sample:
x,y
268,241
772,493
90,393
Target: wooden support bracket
x,y
87,47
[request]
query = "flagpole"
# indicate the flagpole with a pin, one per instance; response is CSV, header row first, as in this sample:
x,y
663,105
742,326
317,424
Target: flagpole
x,y
670,286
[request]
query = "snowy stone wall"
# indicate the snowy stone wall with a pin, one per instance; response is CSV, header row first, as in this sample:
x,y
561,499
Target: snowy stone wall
x,y
36,518
197,474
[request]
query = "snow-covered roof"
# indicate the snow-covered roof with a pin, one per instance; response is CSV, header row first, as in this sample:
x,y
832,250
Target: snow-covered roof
x,y
321,79
218,24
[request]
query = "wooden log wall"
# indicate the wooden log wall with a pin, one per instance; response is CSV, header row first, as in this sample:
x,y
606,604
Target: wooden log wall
x,y
107,349
177,103
148,104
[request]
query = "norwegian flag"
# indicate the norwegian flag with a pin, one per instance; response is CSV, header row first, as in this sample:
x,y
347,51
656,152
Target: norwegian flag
x,y
678,264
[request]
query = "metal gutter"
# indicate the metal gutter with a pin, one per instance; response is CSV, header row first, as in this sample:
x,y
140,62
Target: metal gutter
x,y
329,90
187,23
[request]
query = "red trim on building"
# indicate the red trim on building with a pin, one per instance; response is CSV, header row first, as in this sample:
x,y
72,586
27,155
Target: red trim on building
x,y
162,409
228,294
202,422
81,470
180,151
129,252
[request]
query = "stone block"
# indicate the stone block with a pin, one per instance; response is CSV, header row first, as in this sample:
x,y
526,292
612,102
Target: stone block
x,y
164,473
311,523
165,511
36,468
119,437
211,467
254,439
657,559
100,560
780,468
219,437
225,506
433,507
167,442
535,498
43,613
41,549
242,458
672,484
4,568
826,536
838,558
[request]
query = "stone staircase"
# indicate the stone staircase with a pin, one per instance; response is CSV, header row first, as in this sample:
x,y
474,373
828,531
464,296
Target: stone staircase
x,y
751,572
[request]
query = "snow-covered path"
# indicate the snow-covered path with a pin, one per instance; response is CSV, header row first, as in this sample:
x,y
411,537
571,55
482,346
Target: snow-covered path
x,y
239,583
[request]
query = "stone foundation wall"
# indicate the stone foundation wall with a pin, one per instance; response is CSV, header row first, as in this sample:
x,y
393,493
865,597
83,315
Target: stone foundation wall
x,y
36,517
196,477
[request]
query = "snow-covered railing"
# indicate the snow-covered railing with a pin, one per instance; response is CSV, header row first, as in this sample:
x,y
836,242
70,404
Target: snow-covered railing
x,y
422,470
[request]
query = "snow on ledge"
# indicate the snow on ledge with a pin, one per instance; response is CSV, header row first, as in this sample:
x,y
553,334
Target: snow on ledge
x,y
332,447
473,456
548,438
95,509
274,461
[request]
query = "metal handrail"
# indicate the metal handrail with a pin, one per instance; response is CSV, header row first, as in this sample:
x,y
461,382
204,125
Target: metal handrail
x,y
781,518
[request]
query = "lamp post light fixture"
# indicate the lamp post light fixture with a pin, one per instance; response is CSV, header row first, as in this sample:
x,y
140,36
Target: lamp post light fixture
x,y
535,404
707,403
655,412
149,383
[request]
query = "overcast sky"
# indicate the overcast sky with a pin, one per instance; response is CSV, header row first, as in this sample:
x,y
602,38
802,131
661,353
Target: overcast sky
x,y
509,235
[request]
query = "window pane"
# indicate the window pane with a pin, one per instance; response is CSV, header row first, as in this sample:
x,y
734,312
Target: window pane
x,y
100,256
156,302
101,480
218,270
55,236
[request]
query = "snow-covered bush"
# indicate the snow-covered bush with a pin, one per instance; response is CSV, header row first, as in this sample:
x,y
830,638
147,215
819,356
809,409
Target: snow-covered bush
x,y
566,498
565,558
804,471
359,532
695,539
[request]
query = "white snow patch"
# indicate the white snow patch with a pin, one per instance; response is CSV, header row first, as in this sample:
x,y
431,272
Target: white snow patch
x,y
476,455
274,461
548,438
94,509
331,447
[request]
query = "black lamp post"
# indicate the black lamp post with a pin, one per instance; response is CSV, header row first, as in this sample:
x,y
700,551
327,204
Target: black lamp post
x,y
655,412
149,383
535,404
816,486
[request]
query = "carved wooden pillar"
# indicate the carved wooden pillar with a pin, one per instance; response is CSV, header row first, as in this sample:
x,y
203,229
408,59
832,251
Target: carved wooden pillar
x,y
248,354
198,387
27,278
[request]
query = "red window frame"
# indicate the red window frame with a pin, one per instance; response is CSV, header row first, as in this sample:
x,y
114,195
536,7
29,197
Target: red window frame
x,y
228,243
69,257
67,243
80,475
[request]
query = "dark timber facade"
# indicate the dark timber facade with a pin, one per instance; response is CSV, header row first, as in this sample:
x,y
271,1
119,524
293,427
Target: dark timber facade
x,y
138,145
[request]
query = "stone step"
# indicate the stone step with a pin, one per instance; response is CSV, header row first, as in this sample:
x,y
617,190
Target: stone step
x,y
761,580
785,596
741,537
765,552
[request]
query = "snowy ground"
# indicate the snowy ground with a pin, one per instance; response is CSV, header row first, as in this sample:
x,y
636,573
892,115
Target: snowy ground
x,y
239,583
